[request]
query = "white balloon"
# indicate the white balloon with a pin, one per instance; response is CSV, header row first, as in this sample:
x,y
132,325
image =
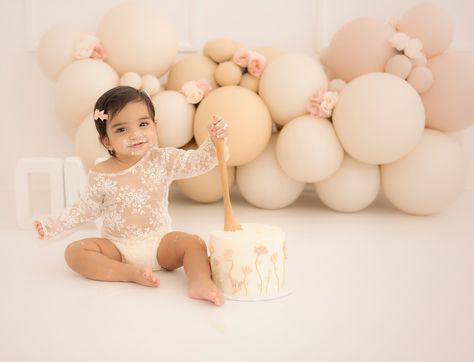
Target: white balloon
x,y
379,118
56,49
138,36
174,118
88,146
429,178
308,150
131,79
353,187
150,84
264,184
78,87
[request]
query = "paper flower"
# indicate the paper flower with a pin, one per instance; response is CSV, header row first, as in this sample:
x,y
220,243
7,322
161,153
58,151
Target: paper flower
x,y
256,64
399,41
322,103
89,46
241,58
253,61
413,49
195,90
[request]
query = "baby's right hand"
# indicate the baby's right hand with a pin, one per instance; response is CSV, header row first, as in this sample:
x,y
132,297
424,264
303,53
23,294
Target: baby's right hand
x,y
39,229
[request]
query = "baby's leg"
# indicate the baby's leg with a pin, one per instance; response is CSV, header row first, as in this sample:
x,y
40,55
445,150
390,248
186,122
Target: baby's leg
x,y
182,249
99,259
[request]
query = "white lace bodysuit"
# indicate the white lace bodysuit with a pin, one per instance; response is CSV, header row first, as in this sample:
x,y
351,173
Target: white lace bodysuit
x,y
134,202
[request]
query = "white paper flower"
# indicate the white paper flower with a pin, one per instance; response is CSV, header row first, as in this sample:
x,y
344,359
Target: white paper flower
x,y
413,49
399,41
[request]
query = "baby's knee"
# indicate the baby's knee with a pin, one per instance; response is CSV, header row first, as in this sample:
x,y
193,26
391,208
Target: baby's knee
x,y
73,252
197,241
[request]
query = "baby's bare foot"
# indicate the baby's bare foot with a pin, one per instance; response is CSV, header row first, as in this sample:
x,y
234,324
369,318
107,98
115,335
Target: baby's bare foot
x,y
144,275
205,289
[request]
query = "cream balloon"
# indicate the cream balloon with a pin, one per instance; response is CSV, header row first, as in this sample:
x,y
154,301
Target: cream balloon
x,y
268,52
353,187
359,47
131,79
78,87
308,150
138,36
192,67
287,83
250,82
264,184
448,103
336,85
56,49
248,117
399,65
421,78
220,50
207,187
88,146
370,123
150,84
228,73
429,178
174,118
431,24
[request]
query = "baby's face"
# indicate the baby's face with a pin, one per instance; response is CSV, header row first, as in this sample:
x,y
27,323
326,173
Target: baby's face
x,y
131,132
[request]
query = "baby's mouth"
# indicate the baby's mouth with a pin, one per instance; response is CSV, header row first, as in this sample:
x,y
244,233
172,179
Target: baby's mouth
x,y
138,144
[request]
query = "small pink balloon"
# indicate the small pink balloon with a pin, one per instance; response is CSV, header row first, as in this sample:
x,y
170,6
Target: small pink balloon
x,y
399,65
430,23
449,104
421,78
361,46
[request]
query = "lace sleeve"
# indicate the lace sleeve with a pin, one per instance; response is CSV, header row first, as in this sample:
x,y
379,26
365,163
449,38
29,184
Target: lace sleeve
x,y
86,209
183,164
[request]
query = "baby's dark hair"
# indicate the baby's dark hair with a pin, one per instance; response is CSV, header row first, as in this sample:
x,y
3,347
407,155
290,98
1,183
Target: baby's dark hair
x,y
114,100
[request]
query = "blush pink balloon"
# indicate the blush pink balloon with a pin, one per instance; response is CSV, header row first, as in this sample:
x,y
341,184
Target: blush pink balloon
x,y
361,46
449,104
430,23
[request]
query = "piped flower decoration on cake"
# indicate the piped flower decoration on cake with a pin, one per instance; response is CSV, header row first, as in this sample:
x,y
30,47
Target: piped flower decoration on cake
x,y
196,90
321,103
252,61
89,46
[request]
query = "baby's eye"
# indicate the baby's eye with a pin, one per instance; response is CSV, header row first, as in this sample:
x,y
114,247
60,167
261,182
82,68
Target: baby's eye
x,y
120,130
144,124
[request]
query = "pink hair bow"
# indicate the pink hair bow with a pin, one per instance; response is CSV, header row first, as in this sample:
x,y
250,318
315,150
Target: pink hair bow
x,y
100,115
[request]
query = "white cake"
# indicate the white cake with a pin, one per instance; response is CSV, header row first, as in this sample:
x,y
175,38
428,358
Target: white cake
x,y
250,264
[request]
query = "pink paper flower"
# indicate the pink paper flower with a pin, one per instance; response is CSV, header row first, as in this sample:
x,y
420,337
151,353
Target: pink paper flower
x,y
256,64
241,57
321,103
89,46
192,92
98,52
204,86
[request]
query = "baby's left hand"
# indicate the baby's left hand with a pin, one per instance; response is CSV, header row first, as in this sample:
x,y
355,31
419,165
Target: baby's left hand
x,y
218,128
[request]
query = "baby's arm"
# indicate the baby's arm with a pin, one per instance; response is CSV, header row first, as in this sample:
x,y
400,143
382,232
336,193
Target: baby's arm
x,y
183,164
87,208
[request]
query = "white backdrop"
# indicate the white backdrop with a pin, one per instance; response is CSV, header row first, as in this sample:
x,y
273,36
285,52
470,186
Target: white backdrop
x,y
28,125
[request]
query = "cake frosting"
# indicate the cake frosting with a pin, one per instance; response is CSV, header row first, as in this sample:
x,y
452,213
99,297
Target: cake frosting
x,y
250,264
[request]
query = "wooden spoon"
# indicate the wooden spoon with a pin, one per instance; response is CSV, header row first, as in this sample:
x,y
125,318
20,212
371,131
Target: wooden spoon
x,y
229,222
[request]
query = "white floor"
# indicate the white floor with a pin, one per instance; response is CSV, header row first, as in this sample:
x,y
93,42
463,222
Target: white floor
x,y
377,285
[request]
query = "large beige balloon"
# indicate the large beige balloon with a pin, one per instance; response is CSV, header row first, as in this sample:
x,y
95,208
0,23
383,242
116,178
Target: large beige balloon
x,y
288,82
353,187
56,49
263,183
78,87
449,102
174,118
88,146
192,67
248,117
361,46
379,118
429,178
430,23
138,37
207,187
308,150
